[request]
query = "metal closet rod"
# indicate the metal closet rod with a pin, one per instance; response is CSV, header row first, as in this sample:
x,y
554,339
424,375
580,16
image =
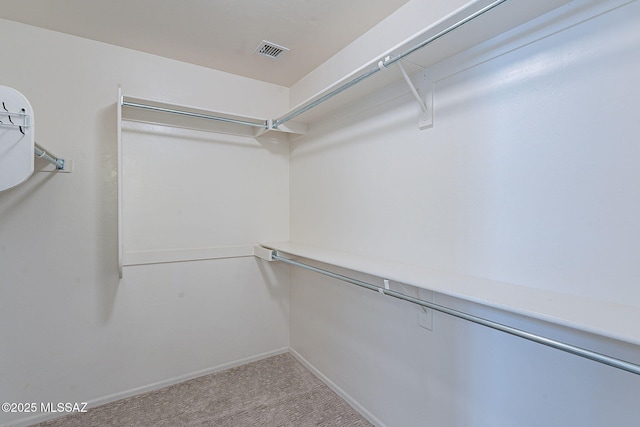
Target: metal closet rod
x,y
39,151
578,351
389,60
190,114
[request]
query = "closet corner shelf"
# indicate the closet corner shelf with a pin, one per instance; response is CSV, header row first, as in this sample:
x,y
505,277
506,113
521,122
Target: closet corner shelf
x,y
616,321
163,113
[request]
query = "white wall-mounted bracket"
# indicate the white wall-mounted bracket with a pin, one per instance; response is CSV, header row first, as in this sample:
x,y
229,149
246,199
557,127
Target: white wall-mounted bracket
x,y
425,101
263,253
18,148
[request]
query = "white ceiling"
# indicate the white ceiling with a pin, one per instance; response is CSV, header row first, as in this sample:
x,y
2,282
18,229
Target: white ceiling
x,y
219,34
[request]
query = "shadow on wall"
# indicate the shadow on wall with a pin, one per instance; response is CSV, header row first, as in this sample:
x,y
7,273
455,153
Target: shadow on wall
x,y
106,185
384,112
275,275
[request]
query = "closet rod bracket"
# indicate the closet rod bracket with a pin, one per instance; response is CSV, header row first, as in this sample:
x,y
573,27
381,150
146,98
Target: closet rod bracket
x,y
60,164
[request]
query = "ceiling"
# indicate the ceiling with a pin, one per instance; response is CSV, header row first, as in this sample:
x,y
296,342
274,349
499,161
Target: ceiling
x,y
219,34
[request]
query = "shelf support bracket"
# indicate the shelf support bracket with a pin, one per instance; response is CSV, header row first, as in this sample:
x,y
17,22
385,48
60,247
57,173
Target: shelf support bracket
x,y
426,113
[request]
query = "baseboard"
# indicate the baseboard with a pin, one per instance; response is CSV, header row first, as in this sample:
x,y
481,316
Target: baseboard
x,y
339,391
151,387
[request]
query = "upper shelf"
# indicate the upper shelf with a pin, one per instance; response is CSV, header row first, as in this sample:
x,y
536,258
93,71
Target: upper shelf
x,y
476,22
468,26
616,321
152,111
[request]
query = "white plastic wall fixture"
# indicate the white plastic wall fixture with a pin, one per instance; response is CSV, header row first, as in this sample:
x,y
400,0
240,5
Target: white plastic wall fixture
x,y
17,140
263,253
425,93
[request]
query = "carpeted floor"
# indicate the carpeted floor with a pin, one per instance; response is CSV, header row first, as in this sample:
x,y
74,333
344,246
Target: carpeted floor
x,y
277,391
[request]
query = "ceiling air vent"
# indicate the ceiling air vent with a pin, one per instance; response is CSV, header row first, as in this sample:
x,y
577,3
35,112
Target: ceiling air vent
x,y
271,50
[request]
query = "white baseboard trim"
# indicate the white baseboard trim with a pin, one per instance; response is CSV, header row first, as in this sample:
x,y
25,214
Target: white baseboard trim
x,y
339,391
151,387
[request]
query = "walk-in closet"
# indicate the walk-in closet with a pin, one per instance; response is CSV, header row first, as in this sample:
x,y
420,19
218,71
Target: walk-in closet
x,y
401,213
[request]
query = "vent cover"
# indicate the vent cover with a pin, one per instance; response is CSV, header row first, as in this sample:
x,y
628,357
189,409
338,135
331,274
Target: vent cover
x,y
271,50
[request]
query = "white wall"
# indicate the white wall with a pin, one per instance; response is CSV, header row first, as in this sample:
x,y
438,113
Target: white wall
x,y
529,176
71,331
188,189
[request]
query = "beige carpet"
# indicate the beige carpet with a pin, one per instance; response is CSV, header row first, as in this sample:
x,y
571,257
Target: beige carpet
x,y
277,391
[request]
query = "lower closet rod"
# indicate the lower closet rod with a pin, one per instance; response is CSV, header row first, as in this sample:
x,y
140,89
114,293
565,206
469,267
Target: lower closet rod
x,y
588,354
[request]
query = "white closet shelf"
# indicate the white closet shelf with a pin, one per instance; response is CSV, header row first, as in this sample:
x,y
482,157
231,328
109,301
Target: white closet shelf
x,y
183,116
481,19
606,319
444,38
